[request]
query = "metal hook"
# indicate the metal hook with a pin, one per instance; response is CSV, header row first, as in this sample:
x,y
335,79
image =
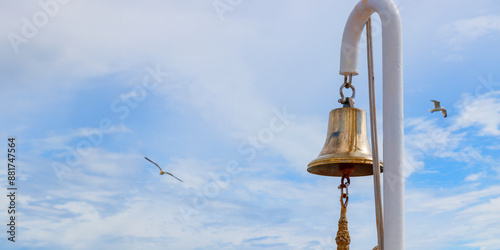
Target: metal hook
x,y
347,84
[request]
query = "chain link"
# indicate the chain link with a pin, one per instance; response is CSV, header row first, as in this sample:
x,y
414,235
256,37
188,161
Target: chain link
x,y
344,190
347,84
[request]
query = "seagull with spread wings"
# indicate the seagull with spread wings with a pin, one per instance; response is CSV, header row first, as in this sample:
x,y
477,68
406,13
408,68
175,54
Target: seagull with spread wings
x,y
161,170
437,107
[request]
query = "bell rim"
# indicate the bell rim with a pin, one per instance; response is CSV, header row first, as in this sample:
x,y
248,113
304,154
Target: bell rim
x,y
317,162
330,167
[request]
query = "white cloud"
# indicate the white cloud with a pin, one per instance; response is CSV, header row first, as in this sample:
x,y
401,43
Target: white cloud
x,y
448,218
79,143
474,177
268,213
121,128
485,220
426,138
300,142
468,30
428,201
482,111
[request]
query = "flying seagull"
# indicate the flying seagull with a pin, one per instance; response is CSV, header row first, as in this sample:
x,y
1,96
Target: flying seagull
x,y
438,107
161,170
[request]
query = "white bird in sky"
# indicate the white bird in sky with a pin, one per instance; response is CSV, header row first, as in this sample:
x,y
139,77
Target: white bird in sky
x,y
438,107
161,170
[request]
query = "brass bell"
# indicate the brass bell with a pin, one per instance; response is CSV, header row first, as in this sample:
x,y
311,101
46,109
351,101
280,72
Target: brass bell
x,y
346,149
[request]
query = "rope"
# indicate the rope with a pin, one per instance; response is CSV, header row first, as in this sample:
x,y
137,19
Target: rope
x,y
373,127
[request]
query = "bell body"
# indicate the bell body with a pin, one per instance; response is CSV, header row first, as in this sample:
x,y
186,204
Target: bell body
x,y
346,148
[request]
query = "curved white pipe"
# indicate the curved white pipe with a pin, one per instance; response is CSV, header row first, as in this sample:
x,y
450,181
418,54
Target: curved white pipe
x,y
392,105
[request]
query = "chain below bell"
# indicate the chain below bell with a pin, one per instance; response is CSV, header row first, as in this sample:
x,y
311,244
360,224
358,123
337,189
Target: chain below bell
x,y
346,149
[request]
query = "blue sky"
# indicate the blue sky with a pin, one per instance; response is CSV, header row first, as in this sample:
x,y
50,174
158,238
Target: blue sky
x,y
235,104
